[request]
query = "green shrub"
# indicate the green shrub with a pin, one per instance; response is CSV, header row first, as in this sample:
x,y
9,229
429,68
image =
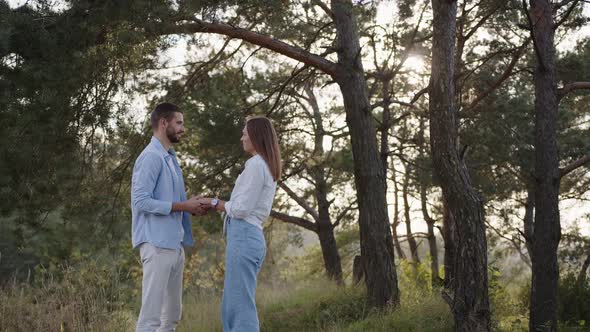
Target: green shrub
x,y
509,308
574,301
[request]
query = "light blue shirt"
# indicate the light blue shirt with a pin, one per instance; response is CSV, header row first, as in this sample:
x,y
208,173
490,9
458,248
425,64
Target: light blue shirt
x,y
157,183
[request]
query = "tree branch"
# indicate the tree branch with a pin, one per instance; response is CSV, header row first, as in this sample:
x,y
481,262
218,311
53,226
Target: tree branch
x,y
293,52
393,101
532,30
204,67
566,14
343,214
571,87
573,165
482,21
299,201
294,220
324,7
411,43
515,244
507,73
419,94
282,88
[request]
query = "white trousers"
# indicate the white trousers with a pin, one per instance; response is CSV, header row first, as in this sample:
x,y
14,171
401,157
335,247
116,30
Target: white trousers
x,y
161,291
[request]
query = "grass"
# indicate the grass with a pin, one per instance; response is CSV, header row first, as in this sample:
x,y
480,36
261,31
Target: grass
x,y
305,307
93,300
97,305
63,306
322,306
201,311
318,306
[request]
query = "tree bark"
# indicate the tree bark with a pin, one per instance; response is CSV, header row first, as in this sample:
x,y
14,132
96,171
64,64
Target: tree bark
x,y
547,228
468,300
330,251
375,234
449,245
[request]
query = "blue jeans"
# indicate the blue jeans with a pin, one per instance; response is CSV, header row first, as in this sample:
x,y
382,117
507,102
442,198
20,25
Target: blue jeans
x,y
244,253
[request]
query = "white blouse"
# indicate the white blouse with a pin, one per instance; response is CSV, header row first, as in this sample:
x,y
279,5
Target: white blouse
x,y
253,194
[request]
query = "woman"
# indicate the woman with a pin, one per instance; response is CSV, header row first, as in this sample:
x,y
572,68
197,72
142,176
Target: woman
x,y
249,205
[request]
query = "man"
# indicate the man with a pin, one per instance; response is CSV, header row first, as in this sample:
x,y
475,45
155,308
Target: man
x,y
160,222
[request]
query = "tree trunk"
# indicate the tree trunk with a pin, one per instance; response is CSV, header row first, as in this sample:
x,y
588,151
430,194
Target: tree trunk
x,y
358,271
398,247
330,251
411,240
433,250
529,219
432,247
469,294
449,245
547,229
375,233
582,275
385,124
326,233
324,224
384,130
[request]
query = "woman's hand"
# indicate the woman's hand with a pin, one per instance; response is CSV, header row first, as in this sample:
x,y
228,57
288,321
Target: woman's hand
x,y
205,201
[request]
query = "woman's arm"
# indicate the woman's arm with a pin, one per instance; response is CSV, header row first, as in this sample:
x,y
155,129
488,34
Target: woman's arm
x,y
206,201
246,193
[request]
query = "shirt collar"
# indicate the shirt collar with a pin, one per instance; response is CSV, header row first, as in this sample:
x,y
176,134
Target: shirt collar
x,y
160,148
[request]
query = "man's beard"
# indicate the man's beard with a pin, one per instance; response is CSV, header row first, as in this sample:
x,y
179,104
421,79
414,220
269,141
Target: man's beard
x,y
172,135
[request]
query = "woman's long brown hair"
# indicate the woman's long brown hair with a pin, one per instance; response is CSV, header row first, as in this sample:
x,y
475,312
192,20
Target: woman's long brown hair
x,y
264,139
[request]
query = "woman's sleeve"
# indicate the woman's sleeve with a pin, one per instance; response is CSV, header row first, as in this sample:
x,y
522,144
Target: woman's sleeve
x,y
247,191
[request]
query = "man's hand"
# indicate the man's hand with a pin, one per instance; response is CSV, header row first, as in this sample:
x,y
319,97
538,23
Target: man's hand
x,y
192,206
195,208
203,205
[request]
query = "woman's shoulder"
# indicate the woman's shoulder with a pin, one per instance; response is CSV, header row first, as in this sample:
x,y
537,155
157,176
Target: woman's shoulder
x,y
258,162
255,161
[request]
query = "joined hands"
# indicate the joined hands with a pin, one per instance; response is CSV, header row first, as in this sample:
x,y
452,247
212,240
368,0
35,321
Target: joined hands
x,y
199,205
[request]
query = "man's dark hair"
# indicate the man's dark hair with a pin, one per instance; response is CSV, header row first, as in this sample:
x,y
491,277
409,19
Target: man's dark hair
x,y
163,110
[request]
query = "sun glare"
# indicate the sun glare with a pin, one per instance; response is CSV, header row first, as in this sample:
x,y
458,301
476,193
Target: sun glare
x,y
415,63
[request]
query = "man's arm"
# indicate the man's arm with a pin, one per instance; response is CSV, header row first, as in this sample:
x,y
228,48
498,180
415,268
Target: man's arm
x,y
143,182
145,176
192,205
